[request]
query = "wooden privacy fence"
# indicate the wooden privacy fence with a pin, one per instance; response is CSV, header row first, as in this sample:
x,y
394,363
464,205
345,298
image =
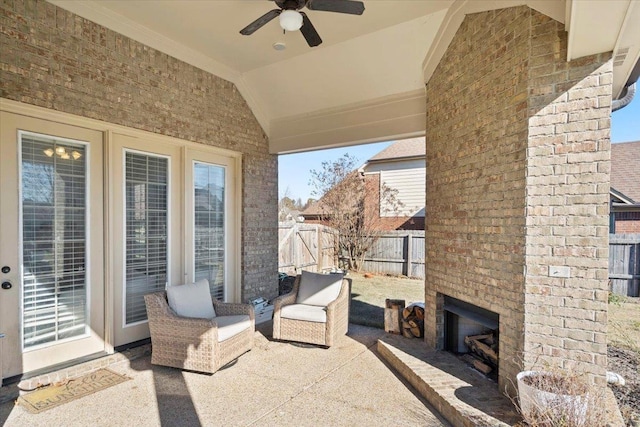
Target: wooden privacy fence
x,y
311,247
624,264
307,247
400,253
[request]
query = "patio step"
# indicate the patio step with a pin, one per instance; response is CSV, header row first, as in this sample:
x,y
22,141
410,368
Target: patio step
x,y
462,395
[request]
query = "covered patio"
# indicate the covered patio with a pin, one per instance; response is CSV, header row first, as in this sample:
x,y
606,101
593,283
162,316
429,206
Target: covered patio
x,y
147,136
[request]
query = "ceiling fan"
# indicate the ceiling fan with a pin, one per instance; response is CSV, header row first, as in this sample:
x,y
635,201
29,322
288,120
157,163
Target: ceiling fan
x,y
291,19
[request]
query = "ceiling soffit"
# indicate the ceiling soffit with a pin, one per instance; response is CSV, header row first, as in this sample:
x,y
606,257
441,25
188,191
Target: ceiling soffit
x,y
365,82
600,26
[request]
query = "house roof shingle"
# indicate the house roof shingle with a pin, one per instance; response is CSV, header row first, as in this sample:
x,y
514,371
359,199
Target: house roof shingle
x,y
625,169
414,147
314,209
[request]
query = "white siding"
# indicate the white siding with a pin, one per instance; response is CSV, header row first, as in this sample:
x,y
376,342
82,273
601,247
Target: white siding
x,y
411,186
393,165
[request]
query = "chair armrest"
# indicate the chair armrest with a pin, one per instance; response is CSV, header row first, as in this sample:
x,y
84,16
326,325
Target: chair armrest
x,y
288,298
282,300
345,290
230,308
338,313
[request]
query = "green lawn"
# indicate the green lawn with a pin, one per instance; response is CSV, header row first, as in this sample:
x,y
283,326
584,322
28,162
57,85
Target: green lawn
x,y
368,296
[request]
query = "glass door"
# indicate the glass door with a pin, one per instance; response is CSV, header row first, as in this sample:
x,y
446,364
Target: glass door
x,y
52,244
147,230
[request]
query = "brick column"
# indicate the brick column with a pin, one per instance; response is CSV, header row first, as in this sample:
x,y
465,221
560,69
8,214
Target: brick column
x,y
517,148
567,204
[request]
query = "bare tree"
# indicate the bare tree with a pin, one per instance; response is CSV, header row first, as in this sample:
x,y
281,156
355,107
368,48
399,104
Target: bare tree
x,y
288,204
343,205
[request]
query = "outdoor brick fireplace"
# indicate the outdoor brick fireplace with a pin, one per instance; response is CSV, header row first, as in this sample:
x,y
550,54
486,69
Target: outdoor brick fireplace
x,y
517,149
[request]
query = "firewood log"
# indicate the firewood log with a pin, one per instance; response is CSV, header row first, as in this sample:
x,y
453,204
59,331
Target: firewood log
x,y
482,349
413,320
406,332
478,364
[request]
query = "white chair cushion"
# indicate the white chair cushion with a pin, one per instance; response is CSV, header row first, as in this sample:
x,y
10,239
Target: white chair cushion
x,y
229,326
308,313
318,289
191,300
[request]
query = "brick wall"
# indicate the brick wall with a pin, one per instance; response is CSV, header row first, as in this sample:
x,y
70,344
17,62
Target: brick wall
x,y
57,60
627,222
568,183
518,147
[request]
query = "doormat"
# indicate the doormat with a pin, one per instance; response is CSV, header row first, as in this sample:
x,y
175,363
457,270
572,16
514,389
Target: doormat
x,y
56,395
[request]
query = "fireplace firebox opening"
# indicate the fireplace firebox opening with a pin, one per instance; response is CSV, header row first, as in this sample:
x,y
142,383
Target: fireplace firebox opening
x,y
472,333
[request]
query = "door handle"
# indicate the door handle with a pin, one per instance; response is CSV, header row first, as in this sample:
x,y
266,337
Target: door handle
x,y
6,285
6,269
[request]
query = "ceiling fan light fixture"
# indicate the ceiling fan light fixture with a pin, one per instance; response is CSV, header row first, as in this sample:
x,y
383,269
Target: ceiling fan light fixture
x,y
290,20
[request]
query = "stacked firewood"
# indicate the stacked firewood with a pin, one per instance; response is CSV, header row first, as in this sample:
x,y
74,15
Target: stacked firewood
x,y
413,320
484,356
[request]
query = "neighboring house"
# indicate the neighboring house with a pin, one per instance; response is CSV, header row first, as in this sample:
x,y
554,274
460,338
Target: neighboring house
x,y
625,188
317,212
289,215
313,214
401,167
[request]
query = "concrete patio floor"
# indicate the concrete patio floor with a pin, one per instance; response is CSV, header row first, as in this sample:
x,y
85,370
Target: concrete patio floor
x,y
275,384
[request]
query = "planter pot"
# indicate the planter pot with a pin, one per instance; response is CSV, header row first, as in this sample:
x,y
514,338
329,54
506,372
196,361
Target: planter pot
x,y
549,408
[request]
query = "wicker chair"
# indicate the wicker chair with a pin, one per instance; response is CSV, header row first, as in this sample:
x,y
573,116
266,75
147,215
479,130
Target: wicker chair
x,y
312,332
192,344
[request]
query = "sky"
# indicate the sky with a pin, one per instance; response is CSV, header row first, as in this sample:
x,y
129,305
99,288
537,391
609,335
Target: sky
x,y
625,123
294,169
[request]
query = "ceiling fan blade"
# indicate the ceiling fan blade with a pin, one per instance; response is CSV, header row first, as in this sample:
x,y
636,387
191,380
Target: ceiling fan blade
x,y
258,23
309,32
341,6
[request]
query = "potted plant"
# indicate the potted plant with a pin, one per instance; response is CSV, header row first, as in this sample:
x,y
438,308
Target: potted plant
x,y
549,398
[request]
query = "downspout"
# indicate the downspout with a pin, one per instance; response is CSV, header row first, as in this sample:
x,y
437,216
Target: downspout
x,y
625,100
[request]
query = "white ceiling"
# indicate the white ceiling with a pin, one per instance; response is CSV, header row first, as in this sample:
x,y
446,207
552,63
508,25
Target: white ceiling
x,y
365,82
